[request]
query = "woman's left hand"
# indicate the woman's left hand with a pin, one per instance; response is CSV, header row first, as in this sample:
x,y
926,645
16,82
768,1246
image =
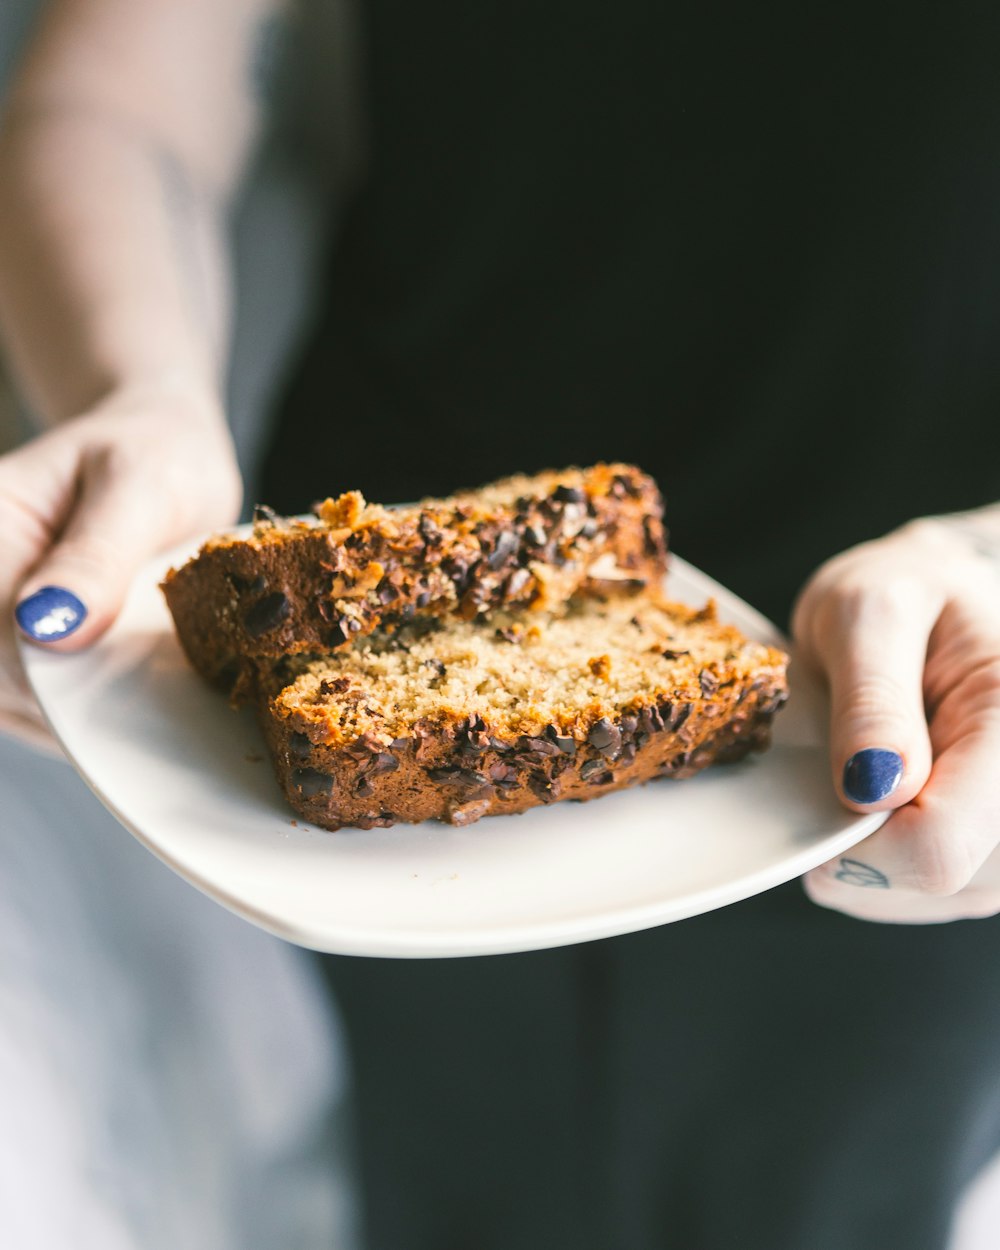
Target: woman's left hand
x,y
906,630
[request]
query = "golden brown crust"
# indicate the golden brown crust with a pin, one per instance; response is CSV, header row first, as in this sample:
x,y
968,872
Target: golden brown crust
x,y
477,655
464,771
449,760
296,586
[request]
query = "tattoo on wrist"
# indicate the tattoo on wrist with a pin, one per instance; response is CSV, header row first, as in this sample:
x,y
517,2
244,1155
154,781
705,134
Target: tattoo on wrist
x,y
854,872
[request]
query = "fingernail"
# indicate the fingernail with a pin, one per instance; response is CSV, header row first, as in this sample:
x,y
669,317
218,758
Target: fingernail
x,y
50,614
872,775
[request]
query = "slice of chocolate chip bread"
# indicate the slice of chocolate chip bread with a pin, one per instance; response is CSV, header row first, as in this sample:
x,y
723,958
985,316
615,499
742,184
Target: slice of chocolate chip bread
x,y
460,720
313,585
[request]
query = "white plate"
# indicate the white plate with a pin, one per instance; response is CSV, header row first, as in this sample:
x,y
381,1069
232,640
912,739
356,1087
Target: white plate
x,y
188,777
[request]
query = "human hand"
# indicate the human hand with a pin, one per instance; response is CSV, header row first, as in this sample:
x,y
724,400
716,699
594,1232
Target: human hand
x,y
907,631
84,505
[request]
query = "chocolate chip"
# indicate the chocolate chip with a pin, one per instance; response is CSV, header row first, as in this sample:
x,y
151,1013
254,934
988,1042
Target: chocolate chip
x,y
472,734
650,720
386,592
334,685
506,545
708,681
311,782
596,772
605,736
627,754
477,741
299,746
383,762
458,570
267,614
679,716
669,654
429,531
263,515
547,791
246,585
516,583
227,676
466,778
338,633
561,764
626,486
569,494
503,775
652,532
629,724
566,745
537,747
364,788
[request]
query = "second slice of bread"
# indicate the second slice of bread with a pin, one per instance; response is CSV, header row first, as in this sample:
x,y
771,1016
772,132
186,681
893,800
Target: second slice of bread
x,y
316,585
458,720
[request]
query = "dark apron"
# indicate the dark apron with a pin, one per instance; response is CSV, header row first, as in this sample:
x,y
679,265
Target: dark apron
x,y
756,250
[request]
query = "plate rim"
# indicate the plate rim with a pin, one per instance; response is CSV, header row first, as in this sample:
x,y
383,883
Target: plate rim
x,y
376,942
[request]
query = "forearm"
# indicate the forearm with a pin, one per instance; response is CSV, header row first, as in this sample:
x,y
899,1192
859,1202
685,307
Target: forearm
x,y
112,266
127,127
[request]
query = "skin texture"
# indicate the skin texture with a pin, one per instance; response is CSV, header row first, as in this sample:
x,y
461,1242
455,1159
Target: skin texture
x,y
113,310
907,632
113,307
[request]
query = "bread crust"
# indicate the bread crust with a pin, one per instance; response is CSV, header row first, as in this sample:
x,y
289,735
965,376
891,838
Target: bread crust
x,y
295,587
459,769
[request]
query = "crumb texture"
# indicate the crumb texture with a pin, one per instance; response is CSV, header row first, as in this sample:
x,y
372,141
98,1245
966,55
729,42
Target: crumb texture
x,y
472,656
463,720
523,544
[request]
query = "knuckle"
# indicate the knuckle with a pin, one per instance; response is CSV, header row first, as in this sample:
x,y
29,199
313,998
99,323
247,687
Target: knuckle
x,y
984,678
200,490
22,524
116,460
889,600
942,868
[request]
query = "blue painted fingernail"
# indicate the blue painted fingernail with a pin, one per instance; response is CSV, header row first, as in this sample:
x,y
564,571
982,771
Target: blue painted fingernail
x,y
50,614
871,775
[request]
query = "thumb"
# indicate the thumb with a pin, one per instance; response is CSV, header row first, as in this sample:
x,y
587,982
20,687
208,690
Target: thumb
x,y
872,645
76,591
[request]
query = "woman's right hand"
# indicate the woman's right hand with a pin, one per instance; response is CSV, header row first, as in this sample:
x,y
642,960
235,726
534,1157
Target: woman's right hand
x,y
84,505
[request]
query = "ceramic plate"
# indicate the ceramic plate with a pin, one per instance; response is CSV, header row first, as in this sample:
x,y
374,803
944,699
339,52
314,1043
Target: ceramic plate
x,y
189,778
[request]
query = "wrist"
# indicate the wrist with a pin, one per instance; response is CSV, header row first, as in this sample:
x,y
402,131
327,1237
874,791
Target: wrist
x,y
976,531
185,393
